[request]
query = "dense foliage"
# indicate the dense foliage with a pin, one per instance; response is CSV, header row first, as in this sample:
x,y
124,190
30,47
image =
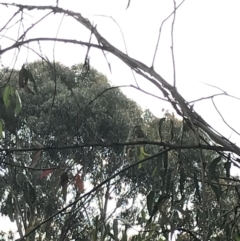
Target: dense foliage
x,y
157,197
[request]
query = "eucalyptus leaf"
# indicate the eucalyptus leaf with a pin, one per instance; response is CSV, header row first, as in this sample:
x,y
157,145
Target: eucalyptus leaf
x,y
18,103
8,92
160,127
1,128
115,229
196,185
150,200
212,171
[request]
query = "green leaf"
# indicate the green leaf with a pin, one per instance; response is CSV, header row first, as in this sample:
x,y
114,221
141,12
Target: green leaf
x,y
9,206
236,236
124,236
172,129
106,231
115,229
142,154
154,172
160,167
143,214
195,179
160,127
165,161
217,190
94,234
8,92
1,129
213,164
227,167
18,103
182,180
168,182
212,168
30,76
158,205
150,200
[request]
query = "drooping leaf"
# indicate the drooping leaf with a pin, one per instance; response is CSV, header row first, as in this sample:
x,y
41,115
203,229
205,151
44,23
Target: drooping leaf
x,y
36,158
31,193
107,230
33,81
154,172
8,92
236,236
213,165
115,229
168,181
79,183
1,129
182,180
158,205
160,168
95,229
227,166
23,77
165,161
195,179
18,103
10,207
217,190
124,236
28,90
172,129
150,200
143,215
64,184
142,153
94,234
130,154
46,173
160,127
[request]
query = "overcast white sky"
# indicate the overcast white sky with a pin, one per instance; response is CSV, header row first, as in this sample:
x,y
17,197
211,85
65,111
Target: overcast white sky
x,y
206,39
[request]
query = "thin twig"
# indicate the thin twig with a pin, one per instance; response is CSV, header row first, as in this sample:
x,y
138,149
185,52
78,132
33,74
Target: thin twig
x,y
124,41
54,63
14,15
32,26
172,47
112,144
32,168
223,118
160,30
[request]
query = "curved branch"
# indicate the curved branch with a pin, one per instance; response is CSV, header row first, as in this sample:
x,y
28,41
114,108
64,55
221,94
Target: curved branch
x,y
188,113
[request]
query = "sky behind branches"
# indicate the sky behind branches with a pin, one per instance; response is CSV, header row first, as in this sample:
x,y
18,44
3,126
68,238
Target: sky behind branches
x,y
206,48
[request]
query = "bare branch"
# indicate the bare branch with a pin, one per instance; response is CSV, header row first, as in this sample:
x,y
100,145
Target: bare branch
x,y
14,15
160,31
102,144
223,118
172,47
